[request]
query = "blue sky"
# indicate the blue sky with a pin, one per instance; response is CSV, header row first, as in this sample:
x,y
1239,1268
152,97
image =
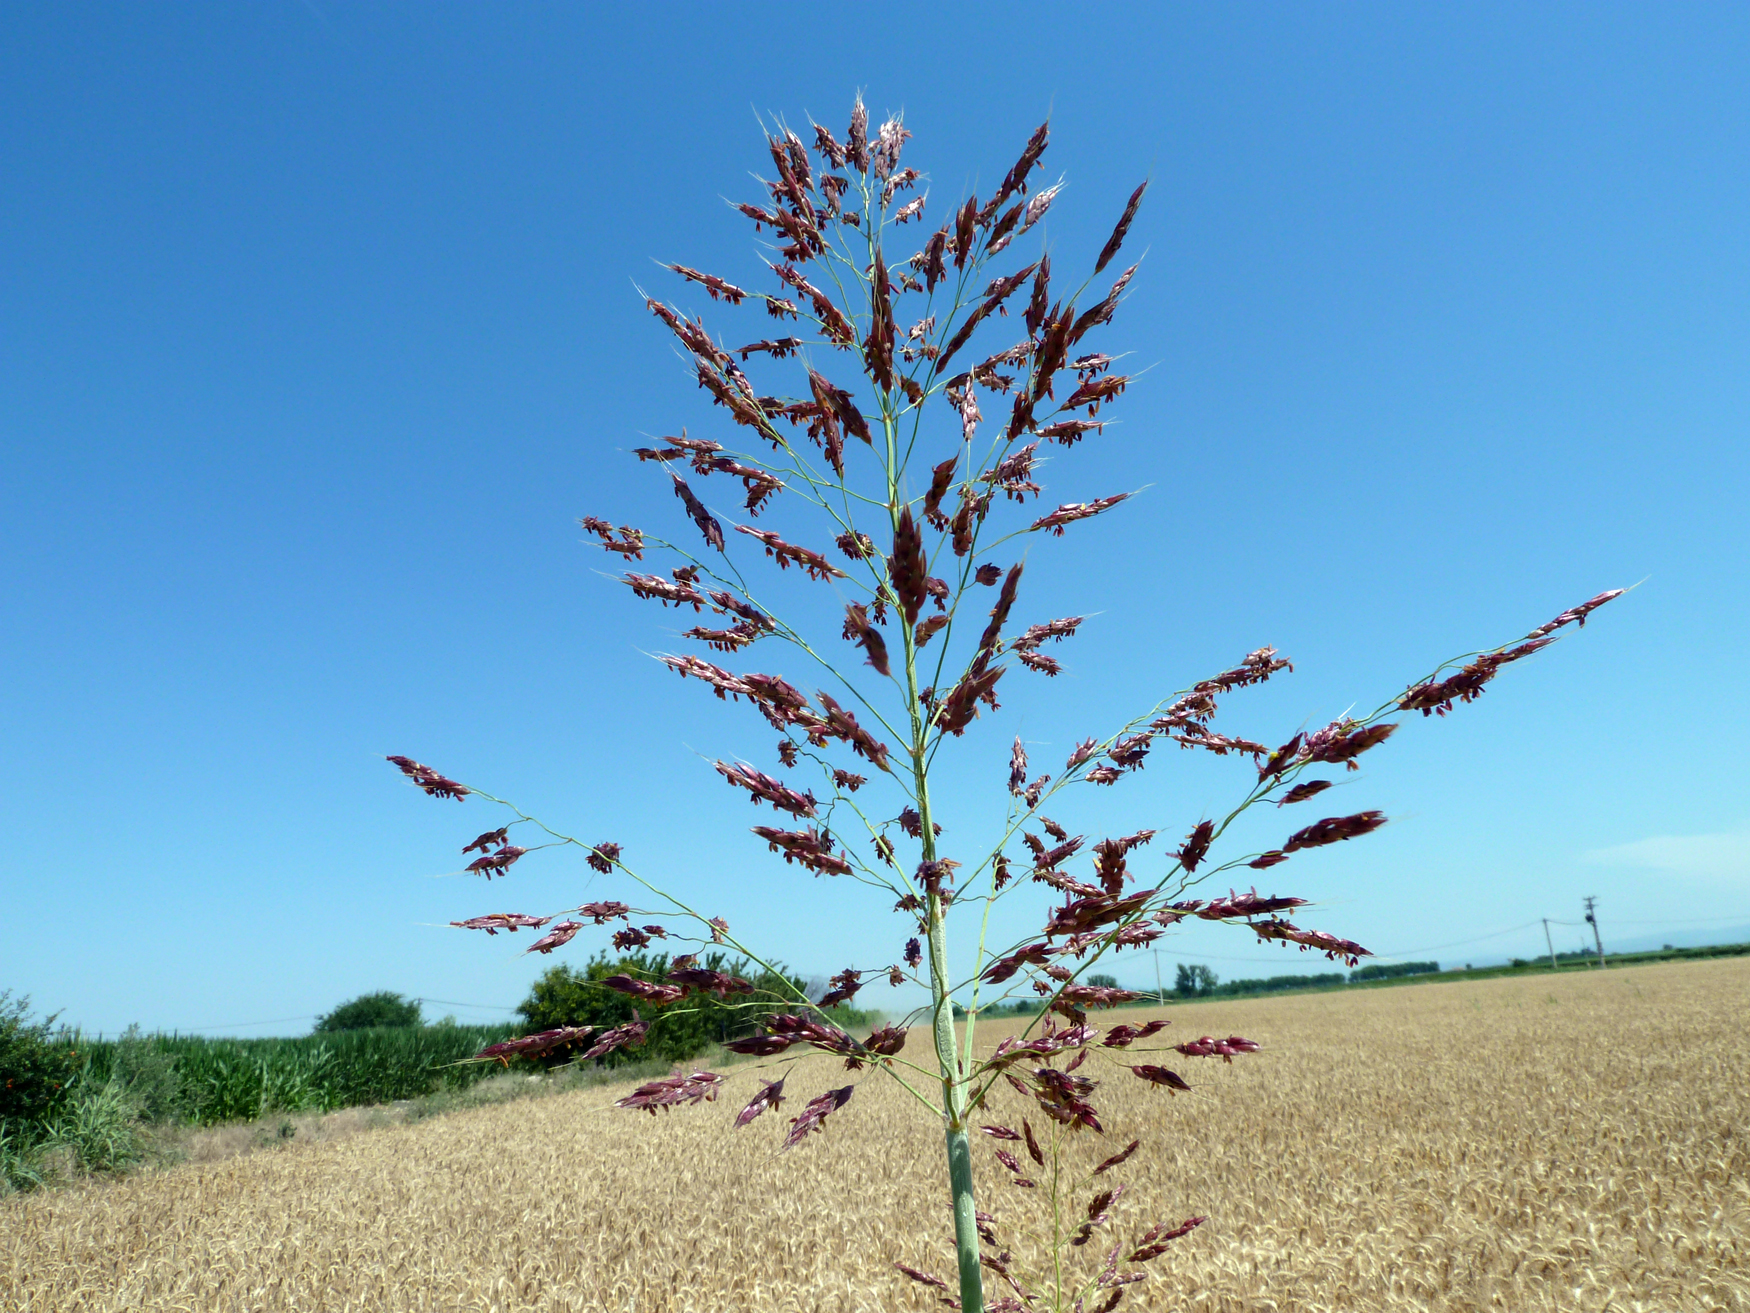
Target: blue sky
x,y
320,332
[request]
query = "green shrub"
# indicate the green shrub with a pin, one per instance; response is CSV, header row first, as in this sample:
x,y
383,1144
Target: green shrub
x,y
371,1012
36,1072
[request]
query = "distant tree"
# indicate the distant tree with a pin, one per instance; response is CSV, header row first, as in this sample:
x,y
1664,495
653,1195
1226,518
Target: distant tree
x,y
370,1011
1194,980
1100,978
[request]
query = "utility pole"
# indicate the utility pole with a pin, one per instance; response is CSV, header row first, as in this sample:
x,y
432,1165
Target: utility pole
x,y
1550,944
1592,920
1160,994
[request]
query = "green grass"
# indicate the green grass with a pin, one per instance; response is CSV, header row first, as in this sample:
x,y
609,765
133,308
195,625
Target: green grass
x,y
221,1080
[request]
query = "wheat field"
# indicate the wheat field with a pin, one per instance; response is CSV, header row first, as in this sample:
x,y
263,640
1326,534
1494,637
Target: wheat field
x,y
1573,1142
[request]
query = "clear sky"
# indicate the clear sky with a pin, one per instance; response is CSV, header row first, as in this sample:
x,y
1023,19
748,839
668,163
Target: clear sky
x,y
319,332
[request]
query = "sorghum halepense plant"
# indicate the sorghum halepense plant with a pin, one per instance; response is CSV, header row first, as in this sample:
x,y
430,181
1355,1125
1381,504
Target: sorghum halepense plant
x,y
913,508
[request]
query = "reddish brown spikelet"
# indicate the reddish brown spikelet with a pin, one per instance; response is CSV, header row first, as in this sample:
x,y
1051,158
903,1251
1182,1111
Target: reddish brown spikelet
x,y
813,563
1301,792
529,1046
559,935
763,788
712,284
940,480
929,629
434,784
497,862
1334,829
630,1035
1225,1049
488,840
857,138
1161,1076
603,856
857,546
602,913
905,566
665,1094
706,981
648,990
708,525
859,630
1095,391
878,345
816,1113
1337,746
770,1096
1196,845
1070,512
1118,234
1264,861
496,921
886,1041
923,1278
848,781
840,405
657,589
1247,904
1033,1150
810,848
1346,950
1123,1036
1016,179
842,725
1154,1241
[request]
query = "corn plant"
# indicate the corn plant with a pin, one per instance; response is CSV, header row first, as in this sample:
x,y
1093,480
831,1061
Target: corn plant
x,y
912,514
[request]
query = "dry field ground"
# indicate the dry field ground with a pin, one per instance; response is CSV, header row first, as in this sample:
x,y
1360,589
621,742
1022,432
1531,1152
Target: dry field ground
x,y
1575,1142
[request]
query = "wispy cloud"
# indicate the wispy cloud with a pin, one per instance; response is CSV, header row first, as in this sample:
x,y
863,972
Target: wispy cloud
x,y
1723,856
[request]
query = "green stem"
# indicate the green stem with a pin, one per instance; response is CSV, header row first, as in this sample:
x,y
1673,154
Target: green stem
x,y
953,1074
